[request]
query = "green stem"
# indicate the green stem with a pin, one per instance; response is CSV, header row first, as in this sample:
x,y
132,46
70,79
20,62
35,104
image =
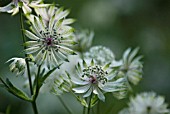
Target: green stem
x,y
27,64
84,109
65,106
89,106
98,108
34,107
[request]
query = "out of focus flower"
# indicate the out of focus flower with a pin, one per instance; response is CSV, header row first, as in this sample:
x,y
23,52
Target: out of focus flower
x,y
62,84
51,42
84,39
26,6
100,54
147,103
131,66
17,65
95,79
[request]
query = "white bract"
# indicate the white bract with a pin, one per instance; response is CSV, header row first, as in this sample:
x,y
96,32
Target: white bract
x,y
100,54
17,65
94,79
131,66
50,41
147,103
85,39
26,6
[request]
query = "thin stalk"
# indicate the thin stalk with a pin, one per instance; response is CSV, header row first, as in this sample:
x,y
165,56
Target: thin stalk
x,y
84,109
98,108
27,64
65,106
89,106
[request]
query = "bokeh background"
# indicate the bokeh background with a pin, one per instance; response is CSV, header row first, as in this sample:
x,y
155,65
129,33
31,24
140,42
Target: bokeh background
x,y
118,24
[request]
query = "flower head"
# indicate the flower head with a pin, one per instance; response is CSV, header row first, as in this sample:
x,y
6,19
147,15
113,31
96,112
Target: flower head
x,y
50,41
18,65
84,39
147,103
62,84
96,79
100,54
26,6
131,66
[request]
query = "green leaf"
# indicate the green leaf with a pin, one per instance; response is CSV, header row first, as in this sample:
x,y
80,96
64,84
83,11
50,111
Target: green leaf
x,y
42,79
94,101
82,101
15,91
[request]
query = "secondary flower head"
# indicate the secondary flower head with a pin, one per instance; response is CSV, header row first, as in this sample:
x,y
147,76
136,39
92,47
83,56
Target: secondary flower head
x,y
131,66
100,54
147,103
62,84
50,42
96,79
26,6
18,65
85,39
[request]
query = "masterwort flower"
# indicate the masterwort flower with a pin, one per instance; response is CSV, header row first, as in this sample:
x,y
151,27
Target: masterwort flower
x,y
131,66
26,6
147,103
100,54
94,79
50,42
62,84
17,65
85,39
54,12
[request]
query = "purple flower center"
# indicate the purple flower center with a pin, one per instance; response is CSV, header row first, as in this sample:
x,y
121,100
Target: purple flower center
x,y
93,79
49,41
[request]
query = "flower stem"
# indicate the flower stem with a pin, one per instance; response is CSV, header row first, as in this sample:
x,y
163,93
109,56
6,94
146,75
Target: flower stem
x,y
34,107
27,64
89,106
65,106
84,109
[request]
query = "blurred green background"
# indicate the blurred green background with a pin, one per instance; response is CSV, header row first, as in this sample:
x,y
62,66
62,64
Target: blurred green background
x,y
118,24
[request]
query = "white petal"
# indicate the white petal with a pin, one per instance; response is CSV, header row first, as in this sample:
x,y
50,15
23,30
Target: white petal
x,y
82,89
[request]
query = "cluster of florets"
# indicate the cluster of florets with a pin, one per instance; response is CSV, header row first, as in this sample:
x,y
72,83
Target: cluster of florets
x,y
51,41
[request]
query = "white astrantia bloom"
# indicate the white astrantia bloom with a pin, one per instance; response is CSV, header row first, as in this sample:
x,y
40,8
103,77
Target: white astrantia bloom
x,y
85,39
17,65
131,66
52,12
100,54
92,78
50,42
26,6
62,84
147,103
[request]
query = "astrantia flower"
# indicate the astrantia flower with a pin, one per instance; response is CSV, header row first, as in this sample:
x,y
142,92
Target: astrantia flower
x,y
96,79
147,103
84,39
100,54
131,66
17,65
54,12
50,43
26,6
62,84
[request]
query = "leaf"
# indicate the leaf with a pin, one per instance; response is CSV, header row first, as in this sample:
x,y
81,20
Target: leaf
x,y
42,79
82,101
94,101
15,91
